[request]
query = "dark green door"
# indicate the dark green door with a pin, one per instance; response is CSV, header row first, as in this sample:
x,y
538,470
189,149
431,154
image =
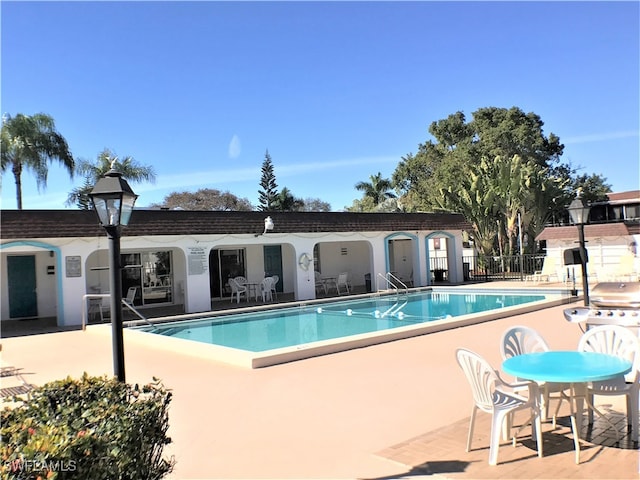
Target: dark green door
x,y
21,274
273,263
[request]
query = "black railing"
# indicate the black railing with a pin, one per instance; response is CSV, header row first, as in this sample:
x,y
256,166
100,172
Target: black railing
x,y
507,267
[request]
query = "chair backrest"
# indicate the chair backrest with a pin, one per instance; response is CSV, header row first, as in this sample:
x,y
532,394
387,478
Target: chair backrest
x,y
614,340
481,377
343,278
267,284
318,277
275,280
519,339
233,283
240,280
131,294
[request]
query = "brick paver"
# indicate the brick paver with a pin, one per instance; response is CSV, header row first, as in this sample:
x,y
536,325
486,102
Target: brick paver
x,y
442,452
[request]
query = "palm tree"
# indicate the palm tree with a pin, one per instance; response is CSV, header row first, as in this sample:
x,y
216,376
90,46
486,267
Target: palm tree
x,y
29,142
92,172
377,190
286,202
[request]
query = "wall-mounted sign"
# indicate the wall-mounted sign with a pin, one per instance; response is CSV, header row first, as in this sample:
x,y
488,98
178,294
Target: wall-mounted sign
x,y
198,260
73,265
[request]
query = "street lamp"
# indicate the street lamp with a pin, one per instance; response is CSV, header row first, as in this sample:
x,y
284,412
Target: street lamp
x,y
579,211
113,201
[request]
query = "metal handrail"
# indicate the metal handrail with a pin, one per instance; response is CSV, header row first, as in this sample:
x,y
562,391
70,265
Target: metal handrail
x,y
391,284
394,309
391,275
388,282
85,309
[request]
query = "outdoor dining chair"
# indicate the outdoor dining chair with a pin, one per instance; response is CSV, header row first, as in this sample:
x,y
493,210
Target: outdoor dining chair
x,y
520,339
274,292
321,284
619,341
494,396
237,289
266,288
342,283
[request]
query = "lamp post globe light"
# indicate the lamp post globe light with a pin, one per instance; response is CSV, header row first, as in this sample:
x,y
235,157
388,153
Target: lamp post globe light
x,y
579,211
113,201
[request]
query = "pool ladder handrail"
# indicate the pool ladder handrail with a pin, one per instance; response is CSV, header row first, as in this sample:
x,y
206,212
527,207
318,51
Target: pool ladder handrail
x,y
391,283
85,309
136,312
394,309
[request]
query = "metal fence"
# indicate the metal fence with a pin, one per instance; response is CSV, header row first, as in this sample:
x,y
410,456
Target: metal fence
x,y
487,268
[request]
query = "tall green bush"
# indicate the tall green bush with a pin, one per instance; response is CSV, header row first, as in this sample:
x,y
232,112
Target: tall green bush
x,y
92,428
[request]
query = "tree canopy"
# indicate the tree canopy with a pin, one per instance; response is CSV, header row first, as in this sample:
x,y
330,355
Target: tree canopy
x,y
267,195
493,169
204,199
130,169
31,142
376,192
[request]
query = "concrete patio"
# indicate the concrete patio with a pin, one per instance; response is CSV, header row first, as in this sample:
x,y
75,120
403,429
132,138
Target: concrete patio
x,y
396,410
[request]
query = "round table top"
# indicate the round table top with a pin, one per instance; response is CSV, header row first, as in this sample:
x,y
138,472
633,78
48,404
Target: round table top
x,y
566,366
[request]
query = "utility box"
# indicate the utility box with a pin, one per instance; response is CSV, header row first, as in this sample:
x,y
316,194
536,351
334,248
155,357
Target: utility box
x,y
572,256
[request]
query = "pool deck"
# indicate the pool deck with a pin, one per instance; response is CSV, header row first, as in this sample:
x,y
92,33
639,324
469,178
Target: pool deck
x,y
394,410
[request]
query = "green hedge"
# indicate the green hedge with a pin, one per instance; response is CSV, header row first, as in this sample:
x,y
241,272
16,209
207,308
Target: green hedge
x,y
92,428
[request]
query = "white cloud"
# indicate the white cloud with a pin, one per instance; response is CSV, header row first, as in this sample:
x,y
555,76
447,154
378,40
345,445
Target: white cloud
x,y
600,137
235,147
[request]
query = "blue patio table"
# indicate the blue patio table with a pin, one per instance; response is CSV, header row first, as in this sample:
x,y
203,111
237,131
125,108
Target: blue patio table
x,y
574,368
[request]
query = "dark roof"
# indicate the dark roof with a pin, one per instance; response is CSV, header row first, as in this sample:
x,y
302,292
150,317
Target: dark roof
x,y
82,223
597,230
624,197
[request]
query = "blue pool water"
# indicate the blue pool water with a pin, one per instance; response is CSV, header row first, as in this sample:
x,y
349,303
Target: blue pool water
x,y
287,327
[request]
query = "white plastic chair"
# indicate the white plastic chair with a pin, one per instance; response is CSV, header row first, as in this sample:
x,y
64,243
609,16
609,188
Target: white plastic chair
x,y
273,286
266,288
95,309
619,341
320,283
131,296
492,395
518,340
342,282
237,289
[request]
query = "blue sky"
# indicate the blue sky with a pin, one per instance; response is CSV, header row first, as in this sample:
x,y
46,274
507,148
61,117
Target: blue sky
x,y
335,91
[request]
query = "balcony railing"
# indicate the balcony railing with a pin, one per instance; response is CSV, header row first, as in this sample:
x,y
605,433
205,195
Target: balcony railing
x,y
487,268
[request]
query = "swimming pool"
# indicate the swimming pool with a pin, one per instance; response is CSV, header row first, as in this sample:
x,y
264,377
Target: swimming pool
x,y
258,339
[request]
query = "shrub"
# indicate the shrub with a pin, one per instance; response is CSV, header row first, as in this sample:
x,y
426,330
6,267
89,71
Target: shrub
x,y
95,427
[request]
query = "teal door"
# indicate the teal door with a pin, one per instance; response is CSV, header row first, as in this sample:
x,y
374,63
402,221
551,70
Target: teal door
x,y
273,263
21,276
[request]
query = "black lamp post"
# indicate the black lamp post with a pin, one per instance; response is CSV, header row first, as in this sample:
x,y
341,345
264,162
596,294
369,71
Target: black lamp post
x,y
113,201
579,211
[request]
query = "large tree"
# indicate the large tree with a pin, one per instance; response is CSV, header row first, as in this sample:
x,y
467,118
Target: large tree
x,y
378,189
267,195
204,199
93,171
286,202
498,165
316,205
31,142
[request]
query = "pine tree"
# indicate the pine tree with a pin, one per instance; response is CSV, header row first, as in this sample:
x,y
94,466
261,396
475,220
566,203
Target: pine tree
x,y
268,194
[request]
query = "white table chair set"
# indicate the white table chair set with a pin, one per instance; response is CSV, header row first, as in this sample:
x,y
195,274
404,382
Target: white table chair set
x,y
606,362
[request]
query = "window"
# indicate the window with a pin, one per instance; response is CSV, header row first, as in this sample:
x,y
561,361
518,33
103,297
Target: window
x,y
151,273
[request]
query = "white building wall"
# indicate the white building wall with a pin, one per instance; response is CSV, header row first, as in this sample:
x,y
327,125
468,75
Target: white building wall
x,y
358,253
604,254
